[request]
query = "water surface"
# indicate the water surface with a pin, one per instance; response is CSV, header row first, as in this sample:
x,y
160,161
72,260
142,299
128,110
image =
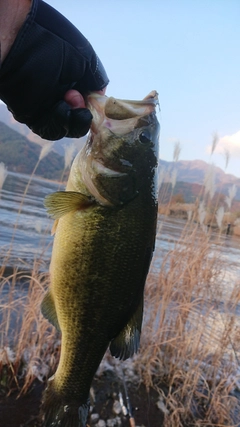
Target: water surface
x,y
25,228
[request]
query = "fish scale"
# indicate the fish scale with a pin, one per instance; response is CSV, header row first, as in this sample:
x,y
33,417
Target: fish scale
x,y
104,239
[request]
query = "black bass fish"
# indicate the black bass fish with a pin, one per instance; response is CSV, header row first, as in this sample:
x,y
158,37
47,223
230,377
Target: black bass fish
x,y
104,240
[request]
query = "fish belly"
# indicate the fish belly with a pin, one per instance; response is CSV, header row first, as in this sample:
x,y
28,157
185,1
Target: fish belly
x,y
98,271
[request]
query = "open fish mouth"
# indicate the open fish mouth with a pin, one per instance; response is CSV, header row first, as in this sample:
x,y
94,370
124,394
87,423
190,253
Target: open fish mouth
x,y
122,134
119,116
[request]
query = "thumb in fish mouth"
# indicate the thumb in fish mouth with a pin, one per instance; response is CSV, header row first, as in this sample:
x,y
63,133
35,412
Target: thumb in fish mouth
x,y
75,99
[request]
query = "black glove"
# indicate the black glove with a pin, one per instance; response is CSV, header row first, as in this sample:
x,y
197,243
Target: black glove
x,y
49,57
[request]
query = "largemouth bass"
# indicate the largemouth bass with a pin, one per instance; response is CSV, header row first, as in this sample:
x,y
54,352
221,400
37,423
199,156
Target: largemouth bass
x,y
104,240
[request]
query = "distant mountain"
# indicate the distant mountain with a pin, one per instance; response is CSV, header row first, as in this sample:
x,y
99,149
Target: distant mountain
x,y
192,172
20,155
187,191
195,171
7,118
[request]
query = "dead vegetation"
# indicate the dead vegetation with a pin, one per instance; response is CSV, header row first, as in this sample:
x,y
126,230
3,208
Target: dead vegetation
x,y
29,345
190,339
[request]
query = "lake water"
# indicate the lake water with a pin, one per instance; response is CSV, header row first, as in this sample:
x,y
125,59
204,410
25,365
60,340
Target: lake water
x,y
25,228
25,232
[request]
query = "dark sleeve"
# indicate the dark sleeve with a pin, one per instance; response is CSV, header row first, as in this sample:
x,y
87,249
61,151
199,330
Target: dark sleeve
x,y
49,57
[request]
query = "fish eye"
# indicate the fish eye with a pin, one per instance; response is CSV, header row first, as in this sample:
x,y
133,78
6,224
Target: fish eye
x,y
144,137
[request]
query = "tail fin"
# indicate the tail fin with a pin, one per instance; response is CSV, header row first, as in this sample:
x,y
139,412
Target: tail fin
x,y
57,411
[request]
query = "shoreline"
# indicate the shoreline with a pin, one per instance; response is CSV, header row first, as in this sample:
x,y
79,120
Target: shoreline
x,y
108,403
189,212
109,400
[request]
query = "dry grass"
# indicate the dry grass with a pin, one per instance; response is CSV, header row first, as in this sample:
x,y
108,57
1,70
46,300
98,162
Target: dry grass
x,y
182,210
190,340
29,345
236,230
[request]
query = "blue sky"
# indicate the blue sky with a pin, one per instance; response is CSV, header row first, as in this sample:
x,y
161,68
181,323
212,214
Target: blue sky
x,y
188,50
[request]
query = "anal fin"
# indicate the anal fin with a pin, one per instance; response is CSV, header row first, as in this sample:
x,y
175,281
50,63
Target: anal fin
x,y
127,342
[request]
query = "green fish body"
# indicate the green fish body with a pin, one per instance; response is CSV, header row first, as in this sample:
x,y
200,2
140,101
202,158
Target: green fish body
x,y
104,239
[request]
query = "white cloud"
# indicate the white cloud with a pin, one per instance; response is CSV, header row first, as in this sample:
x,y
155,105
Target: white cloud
x,y
230,143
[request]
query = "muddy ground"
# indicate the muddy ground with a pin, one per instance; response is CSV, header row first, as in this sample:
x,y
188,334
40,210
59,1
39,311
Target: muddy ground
x,y
24,411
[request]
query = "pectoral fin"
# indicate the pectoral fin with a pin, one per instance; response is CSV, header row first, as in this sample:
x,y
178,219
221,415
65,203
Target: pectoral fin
x,y
127,341
62,202
49,311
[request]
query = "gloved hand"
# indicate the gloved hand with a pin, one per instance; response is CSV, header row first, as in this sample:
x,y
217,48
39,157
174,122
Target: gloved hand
x,y
49,57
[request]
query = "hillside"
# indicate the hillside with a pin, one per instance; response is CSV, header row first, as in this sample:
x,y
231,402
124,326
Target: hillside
x,y
7,118
195,171
25,148
20,155
186,191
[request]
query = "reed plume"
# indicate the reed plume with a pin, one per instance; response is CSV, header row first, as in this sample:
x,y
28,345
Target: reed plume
x,y
46,148
176,151
231,194
226,156
219,216
215,140
3,174
201,212
174,178
209,181
69,151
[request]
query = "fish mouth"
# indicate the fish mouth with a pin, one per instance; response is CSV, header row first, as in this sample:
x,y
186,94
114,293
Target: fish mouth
x,y
119,116
117,123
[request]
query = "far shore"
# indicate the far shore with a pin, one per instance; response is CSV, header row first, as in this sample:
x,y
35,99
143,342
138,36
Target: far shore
x,y
189,211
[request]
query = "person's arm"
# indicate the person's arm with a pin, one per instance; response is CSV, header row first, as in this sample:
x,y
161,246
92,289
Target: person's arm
x,y
46,68
12,16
